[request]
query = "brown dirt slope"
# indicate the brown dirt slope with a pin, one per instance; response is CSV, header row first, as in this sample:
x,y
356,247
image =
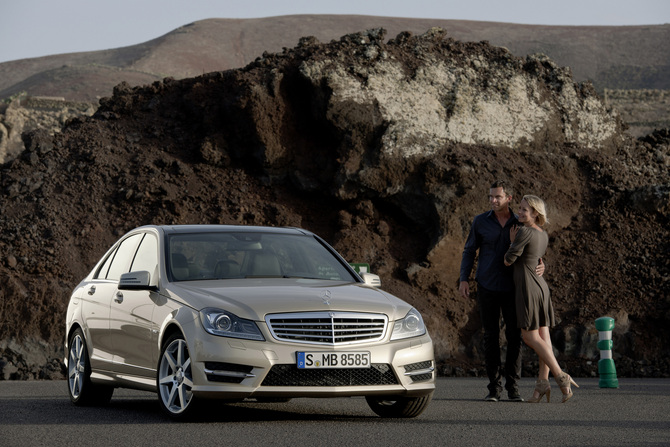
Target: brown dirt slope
x,y
349,139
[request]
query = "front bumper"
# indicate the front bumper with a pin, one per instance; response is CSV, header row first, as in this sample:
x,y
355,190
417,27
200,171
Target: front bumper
x,y
225,368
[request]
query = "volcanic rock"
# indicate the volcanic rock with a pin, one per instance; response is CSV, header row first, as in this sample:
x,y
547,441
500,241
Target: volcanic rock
x,y
386,148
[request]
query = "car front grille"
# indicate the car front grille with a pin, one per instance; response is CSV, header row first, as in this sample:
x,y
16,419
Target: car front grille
x,y
290,375
327,328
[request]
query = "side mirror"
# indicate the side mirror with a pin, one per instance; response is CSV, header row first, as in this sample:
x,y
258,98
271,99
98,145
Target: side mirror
x,y
136,281
371,279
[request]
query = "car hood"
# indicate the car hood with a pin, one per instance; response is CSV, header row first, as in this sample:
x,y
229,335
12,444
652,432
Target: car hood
x,y
255,298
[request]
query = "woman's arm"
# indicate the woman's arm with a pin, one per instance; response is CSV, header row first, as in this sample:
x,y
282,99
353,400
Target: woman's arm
x,y
519,237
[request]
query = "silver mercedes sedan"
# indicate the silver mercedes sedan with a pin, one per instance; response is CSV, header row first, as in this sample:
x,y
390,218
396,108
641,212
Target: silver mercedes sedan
x,y
201,312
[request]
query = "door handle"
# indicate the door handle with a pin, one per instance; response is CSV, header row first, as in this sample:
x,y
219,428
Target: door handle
x,y
118,298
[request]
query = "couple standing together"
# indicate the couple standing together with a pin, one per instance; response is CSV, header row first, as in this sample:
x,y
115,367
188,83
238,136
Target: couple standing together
x,y
509,279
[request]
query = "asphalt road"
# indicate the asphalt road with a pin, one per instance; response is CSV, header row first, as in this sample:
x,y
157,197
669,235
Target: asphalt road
x,y
38,413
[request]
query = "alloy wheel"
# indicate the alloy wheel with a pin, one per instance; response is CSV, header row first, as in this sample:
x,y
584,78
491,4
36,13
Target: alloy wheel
x,y
76,366
174,377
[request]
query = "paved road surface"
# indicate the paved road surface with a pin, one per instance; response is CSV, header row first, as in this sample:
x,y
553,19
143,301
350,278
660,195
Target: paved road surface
x,y
638,413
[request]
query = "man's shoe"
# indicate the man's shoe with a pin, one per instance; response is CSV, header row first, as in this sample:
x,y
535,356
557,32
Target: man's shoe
x,y
492,397
514,395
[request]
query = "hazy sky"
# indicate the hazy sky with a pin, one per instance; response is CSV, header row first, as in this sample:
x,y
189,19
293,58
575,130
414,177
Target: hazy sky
x,y
33,28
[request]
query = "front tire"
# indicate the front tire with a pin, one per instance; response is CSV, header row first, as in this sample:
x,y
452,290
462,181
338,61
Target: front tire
x,y
82,391
399,407
174,379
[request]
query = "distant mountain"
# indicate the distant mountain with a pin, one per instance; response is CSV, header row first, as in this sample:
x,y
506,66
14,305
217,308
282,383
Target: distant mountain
x,y
612,57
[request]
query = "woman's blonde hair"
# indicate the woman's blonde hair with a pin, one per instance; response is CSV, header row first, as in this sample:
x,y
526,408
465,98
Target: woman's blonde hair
x,y
539,207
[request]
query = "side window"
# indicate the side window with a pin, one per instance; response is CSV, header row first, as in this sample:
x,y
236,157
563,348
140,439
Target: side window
x,y
146,258
102,273
123,256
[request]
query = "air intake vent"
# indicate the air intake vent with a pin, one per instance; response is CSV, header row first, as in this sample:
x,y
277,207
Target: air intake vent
x,y
290,375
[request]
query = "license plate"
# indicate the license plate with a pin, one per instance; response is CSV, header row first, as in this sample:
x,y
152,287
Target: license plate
x,y
333,360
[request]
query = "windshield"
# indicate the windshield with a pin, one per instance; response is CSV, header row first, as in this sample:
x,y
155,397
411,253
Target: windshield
x,y
203,256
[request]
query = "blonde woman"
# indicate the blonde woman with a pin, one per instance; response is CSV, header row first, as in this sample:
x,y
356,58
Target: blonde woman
x,y
535,313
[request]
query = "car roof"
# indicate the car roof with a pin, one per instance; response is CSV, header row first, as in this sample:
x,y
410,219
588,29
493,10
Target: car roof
x,y
175,229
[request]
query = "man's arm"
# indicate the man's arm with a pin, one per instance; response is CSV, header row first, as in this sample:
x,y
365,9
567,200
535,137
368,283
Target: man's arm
x,y
468,261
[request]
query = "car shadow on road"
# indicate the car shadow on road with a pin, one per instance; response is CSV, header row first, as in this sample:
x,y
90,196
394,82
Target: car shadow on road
x,y
44,411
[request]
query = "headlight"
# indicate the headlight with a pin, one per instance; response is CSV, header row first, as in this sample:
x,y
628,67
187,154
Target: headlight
x,y
410,326
225,324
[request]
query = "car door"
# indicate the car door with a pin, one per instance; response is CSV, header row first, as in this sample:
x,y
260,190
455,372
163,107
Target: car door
x,y
134,334
98,296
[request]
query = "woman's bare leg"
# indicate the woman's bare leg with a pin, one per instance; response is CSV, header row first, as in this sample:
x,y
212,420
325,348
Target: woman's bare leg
x,y
544,351
543,374
544,369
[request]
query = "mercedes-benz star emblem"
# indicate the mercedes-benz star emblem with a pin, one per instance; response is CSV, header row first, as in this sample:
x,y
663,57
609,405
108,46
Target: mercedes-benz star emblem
x,y
325,296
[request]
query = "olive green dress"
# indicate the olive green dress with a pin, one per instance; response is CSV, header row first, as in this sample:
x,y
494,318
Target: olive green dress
x,y
533,302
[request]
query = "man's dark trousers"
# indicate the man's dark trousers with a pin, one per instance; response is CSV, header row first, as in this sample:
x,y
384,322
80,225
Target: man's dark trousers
x,y
491,305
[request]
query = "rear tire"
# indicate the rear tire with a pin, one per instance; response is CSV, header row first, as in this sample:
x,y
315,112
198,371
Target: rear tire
x,y
174,379
399,407
82,391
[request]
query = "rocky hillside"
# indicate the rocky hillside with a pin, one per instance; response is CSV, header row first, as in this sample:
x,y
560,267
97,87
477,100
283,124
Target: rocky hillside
x,y
643,111
25,113
386,148
631,60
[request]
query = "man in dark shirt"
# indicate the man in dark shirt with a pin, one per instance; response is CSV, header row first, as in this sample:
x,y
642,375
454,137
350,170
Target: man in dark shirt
x,y
495,289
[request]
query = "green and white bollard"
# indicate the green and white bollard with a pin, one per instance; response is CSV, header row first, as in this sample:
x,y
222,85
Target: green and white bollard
x,y
606,368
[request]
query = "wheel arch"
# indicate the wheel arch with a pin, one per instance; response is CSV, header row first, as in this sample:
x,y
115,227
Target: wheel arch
x,y
171,329
179,321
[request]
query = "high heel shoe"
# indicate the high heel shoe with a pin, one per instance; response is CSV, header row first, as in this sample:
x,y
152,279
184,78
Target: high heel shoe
x,y
564,381
542,388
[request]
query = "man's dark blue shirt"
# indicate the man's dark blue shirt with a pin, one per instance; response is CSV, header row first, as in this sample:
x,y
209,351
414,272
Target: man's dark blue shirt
x,y
492,241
